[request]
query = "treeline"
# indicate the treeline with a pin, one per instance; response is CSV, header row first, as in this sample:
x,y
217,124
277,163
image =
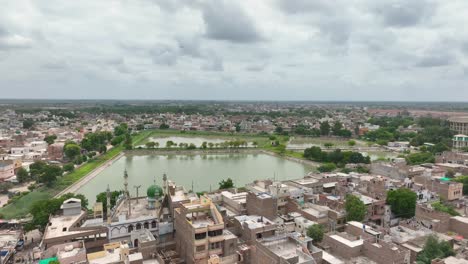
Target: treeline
x,y
431,130
335,159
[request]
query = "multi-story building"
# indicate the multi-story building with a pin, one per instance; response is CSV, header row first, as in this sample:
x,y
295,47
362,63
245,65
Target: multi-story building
x,y
200,232
459,124
448,190
7,169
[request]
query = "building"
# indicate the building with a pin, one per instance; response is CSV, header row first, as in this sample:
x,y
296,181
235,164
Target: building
x,y
7,169
115,253
71,226
460,141
445,188
288,248
199,232
55,151
252,227
68,253
459,124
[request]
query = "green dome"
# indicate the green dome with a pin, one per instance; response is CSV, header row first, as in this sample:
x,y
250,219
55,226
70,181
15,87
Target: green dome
x,y
154,191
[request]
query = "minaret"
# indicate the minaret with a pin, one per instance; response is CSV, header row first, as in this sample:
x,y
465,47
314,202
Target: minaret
x,y
165,184
108,194
127,194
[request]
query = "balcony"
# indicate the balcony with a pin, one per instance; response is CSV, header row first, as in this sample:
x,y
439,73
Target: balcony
x,y
217,251
216,239
200,242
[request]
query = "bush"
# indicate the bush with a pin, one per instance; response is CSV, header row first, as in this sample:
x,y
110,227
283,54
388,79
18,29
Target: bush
x,y
69,167
327,167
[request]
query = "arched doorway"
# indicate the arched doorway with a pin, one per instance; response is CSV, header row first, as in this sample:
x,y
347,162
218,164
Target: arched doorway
x,y
135,243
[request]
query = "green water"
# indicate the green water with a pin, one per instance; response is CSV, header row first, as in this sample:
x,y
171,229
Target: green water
x,y
203,171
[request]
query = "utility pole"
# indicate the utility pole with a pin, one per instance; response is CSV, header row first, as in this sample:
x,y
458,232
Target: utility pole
x,y
137,187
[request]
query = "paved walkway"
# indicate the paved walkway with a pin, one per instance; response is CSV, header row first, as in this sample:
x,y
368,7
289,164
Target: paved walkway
x,y
77,185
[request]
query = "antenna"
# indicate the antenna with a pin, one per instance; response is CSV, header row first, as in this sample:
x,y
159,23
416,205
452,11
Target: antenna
x,y
137,187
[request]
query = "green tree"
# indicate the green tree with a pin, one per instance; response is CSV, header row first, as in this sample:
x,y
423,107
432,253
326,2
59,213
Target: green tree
x,y
128,141
402,202
22,175
49,174
355,209
337,128
102,197
204,145
433,248
327,167
121,129
169,143
150,144
37,168
164,126
420,158
313,153
69,167
328,144
226,184
464,181
50,139
315,232
351,143
28,123
325,128
71,150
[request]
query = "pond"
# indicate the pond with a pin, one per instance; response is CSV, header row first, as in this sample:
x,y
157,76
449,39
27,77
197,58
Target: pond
x,y
203,171
197,141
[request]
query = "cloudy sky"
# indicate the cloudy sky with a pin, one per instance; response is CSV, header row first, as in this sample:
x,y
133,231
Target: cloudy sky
x,y
235,49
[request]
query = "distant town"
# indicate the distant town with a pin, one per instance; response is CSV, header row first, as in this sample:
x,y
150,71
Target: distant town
x,y
233,182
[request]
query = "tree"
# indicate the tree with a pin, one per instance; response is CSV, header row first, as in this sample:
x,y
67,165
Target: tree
x,y
22,175
420,158
69,167
28,123
121,129
204,145
324,128
315,232
328,145
327,167
49,174
278,130
355,209
128,141
50,139
71,150
226,184
169,143
150,144
37,168
337,128
351,143
164,126
450,173
102,198
433,248
464,180
402,202
210,145
313,153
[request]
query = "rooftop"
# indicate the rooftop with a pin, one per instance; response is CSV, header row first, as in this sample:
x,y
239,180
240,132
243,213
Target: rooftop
x,y
254,221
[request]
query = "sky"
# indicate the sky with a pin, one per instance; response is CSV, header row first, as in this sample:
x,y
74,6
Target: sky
x,y
363,50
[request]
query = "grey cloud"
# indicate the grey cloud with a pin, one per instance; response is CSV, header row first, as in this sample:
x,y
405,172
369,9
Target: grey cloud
x,y
303,6
225,20
403,13
214,64
164,55
256,67
13,41
436,60
189,46
173,5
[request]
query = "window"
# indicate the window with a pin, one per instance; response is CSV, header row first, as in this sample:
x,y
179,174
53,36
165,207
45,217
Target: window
x,y
215,245
146,225
138,226
200,248
259,235
153,224
130,228
215,233
200,236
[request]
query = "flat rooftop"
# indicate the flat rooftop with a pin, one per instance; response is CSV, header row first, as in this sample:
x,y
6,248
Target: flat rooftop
x,y
60,225
139,209
287,248
254,221
347,242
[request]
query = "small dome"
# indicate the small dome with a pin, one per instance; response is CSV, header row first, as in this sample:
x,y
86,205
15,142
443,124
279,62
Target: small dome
x,y
154,191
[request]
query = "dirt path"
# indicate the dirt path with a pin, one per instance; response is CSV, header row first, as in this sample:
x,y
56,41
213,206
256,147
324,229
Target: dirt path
x,y
77,185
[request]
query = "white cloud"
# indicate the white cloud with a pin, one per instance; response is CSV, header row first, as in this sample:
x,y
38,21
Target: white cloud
x,y
222,49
